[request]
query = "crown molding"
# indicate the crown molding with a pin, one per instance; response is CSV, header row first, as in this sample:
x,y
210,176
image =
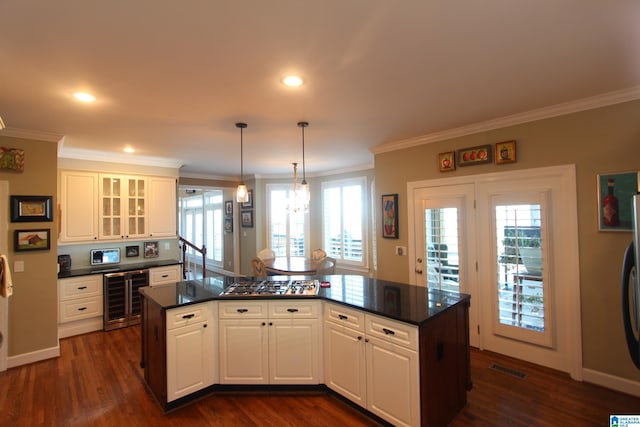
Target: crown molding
x,y
104,156
584,104
30,134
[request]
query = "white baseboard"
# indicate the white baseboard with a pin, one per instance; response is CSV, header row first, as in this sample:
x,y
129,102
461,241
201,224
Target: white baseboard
x,y
34,356
622,385
80,327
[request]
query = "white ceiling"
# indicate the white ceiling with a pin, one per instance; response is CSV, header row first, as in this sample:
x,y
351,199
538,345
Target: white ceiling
x,y
172,77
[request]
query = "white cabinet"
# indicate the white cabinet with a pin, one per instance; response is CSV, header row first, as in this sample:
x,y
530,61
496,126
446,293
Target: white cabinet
x,y
373,361
166,275
79,206
123,207
191,352
80,305
275,342
162,207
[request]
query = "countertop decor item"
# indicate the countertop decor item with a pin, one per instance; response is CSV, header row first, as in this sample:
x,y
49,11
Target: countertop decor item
x,y
151,249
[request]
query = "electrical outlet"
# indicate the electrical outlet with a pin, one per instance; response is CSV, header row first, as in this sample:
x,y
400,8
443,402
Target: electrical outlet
x,y
167,246
401,250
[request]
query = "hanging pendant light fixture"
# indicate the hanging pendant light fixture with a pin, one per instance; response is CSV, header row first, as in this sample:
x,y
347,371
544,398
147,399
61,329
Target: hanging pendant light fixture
x,y
242,195
305,196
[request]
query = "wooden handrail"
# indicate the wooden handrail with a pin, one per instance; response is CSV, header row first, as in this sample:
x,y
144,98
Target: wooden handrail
x,y
203,251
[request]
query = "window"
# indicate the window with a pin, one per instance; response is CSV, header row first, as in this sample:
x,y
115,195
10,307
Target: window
x,y
286,233
441,225
201,222
343,224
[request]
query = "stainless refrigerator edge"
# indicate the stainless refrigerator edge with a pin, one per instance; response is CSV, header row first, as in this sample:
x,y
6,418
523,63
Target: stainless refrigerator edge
x,y
631,287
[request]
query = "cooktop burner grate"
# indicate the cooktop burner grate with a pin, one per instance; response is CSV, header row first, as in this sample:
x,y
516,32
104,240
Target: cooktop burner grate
x,y
271,287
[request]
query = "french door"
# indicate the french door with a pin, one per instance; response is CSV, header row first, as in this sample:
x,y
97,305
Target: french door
x,y
510,241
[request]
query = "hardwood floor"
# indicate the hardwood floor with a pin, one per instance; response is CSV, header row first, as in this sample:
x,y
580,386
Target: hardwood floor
x,y
97,381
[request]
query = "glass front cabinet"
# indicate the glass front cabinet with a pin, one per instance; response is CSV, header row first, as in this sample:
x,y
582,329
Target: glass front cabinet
x,y
123,203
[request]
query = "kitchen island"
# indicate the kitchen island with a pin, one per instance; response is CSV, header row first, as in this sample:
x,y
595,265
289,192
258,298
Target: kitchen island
x,y
397,351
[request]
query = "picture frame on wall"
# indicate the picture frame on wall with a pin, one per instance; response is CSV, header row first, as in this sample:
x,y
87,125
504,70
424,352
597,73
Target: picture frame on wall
x,y
151,249
228,225
505,152
475,155
390,216
615,191
228,208
249,203
31,208
447,161
38,239
247,219
132,251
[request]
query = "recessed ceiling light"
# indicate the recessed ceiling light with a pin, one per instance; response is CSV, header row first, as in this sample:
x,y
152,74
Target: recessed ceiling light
x,y
292,81
129,150
84,97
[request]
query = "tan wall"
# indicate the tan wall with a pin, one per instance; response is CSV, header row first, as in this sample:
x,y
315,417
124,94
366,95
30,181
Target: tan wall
x,y
33,311
597,141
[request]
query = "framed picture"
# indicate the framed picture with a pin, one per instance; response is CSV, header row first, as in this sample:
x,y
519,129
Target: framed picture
x,y
132,251
151,249
615,191
228,208
247,219
505,152
31,209
228,225
390,216
475,155
12,159
32,240
249,203
447,161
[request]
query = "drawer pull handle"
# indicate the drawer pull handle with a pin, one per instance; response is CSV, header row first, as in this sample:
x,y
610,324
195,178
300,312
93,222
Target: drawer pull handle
x,y
165,275
388,331
342,317
81,288
82,308
242,310
188,316
292,310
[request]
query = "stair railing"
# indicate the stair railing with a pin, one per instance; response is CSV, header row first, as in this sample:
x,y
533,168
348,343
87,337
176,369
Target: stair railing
x,y
189,254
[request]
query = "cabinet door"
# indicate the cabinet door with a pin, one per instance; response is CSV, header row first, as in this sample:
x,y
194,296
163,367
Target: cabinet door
x,y
344,362
79,206
162,207
392,382
111,221
189,359
135,206
293,351
244,351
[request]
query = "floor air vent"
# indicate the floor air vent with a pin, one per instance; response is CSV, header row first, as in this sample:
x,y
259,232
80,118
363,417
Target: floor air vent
x,y
509,371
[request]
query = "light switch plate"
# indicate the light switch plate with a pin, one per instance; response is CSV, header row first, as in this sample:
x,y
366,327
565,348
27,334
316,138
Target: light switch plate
x,y
18,266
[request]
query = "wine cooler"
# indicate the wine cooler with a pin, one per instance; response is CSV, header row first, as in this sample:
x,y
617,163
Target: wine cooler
x,y
122,301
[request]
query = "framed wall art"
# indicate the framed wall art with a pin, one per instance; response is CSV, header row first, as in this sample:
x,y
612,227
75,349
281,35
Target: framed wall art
x,y
249,203
615,191
228,208
390,216
132,251
247,219
32,240
505,152
447,161
151,249
31,209
228,225
475,155
12,159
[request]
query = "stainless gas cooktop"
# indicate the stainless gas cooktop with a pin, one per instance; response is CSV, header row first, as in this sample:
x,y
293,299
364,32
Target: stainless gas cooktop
x,y
271,288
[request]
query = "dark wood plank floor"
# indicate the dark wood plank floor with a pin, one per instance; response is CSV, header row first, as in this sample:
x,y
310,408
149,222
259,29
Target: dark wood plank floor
x,y
97,381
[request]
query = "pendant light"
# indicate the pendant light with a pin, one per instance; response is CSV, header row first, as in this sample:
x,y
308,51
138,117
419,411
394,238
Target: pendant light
x,y
304,187
242,195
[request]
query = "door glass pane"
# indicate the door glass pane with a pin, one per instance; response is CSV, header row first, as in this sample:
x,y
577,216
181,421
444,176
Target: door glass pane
x,y
443,271
520,280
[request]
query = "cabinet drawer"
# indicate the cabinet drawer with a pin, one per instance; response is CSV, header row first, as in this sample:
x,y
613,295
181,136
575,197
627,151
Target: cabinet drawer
x,y
187,315
392,331
345,316
243,309
164,275
297,309
80,287
82,308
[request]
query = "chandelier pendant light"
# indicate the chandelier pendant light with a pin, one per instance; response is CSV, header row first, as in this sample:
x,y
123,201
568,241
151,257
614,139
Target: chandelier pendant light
x,y
304,187
242,195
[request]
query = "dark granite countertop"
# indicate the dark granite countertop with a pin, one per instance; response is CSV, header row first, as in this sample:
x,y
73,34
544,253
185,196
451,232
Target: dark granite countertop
x,y
116,268
407,303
